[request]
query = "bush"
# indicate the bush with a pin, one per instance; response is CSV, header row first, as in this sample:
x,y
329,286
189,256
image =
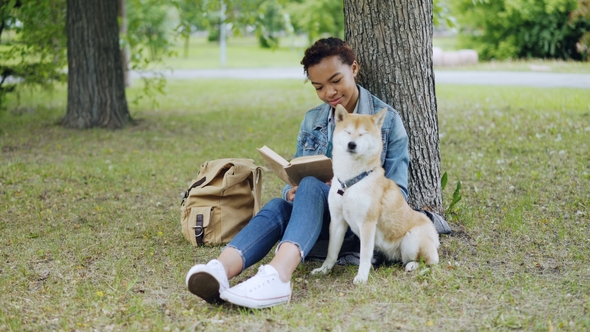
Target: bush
x,y
501,29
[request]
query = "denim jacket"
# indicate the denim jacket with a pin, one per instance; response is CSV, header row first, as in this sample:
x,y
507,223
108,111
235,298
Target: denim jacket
x,y
313,137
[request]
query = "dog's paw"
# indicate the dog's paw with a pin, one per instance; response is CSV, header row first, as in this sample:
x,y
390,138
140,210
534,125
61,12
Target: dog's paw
x,y
360,279
322,270
411,266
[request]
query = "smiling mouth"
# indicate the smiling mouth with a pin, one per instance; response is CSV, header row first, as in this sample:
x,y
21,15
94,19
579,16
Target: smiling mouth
x,y
335,101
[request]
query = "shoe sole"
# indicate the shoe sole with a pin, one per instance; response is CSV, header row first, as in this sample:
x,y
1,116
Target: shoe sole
x,y
254,304
205,286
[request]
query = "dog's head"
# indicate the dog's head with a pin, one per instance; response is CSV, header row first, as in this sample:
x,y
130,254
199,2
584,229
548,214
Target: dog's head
x,y
357,134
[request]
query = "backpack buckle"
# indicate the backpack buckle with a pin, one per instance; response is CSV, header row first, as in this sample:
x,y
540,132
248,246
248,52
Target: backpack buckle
x,y
199,229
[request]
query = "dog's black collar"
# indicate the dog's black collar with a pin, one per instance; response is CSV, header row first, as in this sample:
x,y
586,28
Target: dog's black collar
x,y
352,181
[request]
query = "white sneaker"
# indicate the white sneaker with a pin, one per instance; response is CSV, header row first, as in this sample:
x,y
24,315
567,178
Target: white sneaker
x,y
207,281
263,290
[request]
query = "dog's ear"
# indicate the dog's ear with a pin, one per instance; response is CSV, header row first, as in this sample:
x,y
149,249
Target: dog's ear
x,y
340,113
379,118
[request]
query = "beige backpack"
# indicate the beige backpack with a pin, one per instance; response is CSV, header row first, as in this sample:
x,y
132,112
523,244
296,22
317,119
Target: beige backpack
x,y
223,199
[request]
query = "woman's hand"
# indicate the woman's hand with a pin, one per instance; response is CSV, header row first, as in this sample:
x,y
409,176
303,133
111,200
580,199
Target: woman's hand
x,y
291,193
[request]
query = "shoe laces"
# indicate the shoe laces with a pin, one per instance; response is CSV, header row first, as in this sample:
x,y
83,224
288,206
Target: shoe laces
x,y
265,279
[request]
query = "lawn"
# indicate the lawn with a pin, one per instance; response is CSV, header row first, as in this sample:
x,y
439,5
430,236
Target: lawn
x,y
90,232
241,52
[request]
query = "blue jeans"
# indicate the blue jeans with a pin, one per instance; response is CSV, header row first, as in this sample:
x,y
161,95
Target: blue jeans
x,y
299,222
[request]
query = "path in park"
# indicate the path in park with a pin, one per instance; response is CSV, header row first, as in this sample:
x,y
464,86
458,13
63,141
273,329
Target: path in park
x,y
536,79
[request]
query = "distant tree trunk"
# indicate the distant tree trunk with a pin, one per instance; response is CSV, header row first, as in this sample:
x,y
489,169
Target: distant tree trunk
x,y
222,34
393,42
96,91
186,45
125,53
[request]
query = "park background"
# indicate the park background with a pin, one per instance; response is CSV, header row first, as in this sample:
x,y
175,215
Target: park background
x,y
90,218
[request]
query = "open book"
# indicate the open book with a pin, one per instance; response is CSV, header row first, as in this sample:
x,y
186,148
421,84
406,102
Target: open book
x,y
318,166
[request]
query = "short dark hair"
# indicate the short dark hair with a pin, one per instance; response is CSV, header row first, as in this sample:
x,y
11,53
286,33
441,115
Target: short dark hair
x,y
327,47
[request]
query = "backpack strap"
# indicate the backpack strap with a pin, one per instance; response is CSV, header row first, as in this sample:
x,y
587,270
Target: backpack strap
x,y
196,184
257,188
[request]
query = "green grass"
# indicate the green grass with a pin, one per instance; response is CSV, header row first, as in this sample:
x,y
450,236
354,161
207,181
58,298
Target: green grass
x,y
89,220
241,52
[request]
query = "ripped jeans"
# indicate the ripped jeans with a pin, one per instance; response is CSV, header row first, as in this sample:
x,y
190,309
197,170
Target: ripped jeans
x,y
299,222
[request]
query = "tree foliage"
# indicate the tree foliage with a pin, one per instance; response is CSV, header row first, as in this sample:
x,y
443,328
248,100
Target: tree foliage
x,y
441,14
583,13
192,15
147,24
34,49
33,36
317,17
268,19
270,22
504,29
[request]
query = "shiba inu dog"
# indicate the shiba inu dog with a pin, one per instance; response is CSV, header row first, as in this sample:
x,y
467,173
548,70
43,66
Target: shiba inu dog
x,y
371,204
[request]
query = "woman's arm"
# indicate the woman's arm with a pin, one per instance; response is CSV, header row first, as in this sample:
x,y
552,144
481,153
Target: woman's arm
x,y
288,190
397,158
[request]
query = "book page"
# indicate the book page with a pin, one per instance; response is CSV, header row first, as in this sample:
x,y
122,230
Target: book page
x,y
276,163
265,150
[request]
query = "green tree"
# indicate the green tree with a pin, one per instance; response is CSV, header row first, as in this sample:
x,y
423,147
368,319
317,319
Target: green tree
x,y
33,38
395,56
193,16
148,27
270,21
503,29
35,52
441,14
583,13
96,89
317,17
267,17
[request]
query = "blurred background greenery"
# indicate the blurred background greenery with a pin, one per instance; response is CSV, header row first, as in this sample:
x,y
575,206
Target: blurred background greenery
x,y
185,34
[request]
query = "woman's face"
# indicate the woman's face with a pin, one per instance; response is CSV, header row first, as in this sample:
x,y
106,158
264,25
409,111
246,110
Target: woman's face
x,y
334,82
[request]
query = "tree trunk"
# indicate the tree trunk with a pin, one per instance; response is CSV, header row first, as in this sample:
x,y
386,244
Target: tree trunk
x,y
125,52
186,44
96,91
393,42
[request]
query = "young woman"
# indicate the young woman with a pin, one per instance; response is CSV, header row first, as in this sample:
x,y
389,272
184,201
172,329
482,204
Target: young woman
x,y
297,219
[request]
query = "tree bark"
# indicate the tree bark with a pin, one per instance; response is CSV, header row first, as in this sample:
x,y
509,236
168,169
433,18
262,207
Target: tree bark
x,y
96,91
393,43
